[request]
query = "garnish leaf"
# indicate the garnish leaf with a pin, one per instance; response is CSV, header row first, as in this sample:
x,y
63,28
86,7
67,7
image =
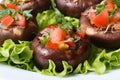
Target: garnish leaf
x,y
27,14
100,7
51,71
4,12
16,54
113,12
117,2
44,41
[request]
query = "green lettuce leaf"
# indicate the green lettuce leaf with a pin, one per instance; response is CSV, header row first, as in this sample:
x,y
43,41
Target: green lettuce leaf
x,y
46,18
19,55
49,17
51,71
5,50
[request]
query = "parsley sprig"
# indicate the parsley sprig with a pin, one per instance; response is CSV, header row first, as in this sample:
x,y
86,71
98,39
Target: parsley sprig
x,y
100,7
6,11
117,2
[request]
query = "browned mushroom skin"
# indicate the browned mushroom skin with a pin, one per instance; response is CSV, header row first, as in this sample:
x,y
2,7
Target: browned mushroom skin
x,y
37,5
75,7
73,57
109,39
19,33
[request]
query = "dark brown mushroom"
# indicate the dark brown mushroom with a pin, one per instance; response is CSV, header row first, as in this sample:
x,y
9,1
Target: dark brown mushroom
x,y
16,31
74,7
106,39
73,57
36,5
19,33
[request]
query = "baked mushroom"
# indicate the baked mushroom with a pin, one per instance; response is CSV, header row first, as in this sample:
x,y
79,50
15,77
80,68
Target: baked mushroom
x,y
16,25
102,24
74,7
54,43
35,5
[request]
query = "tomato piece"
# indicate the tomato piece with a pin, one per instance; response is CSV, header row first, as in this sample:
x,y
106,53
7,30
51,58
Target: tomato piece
x,y
71,44
12,6
51,45
110,5
81,34
101,20
7,21
49,28
57,35
21,20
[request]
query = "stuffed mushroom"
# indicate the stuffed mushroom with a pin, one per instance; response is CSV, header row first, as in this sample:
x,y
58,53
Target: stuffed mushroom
x,y
101,24
55,43
35,5
16,24
75,7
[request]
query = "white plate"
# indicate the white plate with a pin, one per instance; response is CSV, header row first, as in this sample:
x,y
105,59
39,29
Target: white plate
x,y
12,73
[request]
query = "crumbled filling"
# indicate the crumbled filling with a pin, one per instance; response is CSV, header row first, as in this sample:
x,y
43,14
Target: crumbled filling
x,y
69,41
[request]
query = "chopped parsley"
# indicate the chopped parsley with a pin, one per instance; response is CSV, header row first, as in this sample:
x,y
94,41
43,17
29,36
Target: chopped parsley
x,y
117,2
100,7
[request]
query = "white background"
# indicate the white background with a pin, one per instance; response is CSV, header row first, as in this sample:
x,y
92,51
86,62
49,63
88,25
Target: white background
x,y
12,73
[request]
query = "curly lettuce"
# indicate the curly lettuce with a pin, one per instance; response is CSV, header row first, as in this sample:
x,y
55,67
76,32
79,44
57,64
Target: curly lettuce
x,y
49,17
16,54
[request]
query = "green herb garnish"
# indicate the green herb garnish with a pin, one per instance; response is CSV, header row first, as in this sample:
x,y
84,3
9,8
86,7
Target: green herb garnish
x,y
117,2
44,41
100,7
27,14
4,12
113,12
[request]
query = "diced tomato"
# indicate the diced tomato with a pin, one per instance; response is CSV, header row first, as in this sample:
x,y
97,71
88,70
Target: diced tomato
x,y
57,35
49,28
71,44
52,45
7,21
81,34
110,5
12,6
21,20
101,19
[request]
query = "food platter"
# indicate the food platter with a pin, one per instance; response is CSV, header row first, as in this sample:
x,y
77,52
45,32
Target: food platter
x,y
60,41
12,73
